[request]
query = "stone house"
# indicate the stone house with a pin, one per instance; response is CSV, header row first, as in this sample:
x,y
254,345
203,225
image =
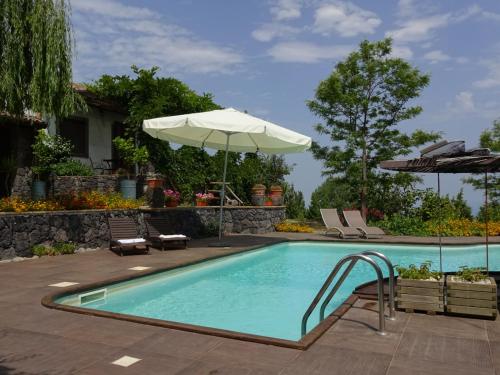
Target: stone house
x,y
90,132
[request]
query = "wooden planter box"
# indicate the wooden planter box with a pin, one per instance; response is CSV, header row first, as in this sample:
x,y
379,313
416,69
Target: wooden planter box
x,y
422,295
479,298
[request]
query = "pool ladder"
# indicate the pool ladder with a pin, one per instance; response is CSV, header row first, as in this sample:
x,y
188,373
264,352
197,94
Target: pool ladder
x,y
365,256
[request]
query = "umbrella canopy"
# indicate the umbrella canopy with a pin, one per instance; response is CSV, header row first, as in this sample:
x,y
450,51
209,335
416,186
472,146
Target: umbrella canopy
x,y
210,129
452,160
229,130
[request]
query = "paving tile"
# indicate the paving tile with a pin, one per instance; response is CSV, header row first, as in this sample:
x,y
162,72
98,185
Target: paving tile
x,y
126,361
447,326
418,348
495,351
150,364
63,284
260,355
179,343
429,367
319,359
30,352
221,368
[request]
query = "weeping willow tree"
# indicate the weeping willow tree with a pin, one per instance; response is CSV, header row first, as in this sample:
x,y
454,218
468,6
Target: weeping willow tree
x,y
35,58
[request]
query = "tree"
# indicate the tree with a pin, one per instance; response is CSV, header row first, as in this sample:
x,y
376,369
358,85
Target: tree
x,y
490,138
35,58
362,102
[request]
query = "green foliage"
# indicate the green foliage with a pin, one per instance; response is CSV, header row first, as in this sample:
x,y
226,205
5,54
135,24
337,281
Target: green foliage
x,y
438,208
335,192
423,272
361,104
472,274
131,154
403,225
493,212
64,248
35,58
294,201
489,138
59,248
72,167
48,151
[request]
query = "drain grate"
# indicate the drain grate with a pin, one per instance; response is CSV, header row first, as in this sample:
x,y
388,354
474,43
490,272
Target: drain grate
x,y
94,296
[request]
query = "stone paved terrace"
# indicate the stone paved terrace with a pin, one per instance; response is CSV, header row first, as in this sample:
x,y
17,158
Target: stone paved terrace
x,y
38,340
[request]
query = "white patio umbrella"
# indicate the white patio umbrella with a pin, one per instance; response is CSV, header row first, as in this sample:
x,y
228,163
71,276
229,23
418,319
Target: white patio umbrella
x,y
228,130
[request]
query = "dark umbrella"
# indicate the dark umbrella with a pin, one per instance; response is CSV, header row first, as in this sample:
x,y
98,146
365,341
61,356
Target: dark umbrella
x,y
451,157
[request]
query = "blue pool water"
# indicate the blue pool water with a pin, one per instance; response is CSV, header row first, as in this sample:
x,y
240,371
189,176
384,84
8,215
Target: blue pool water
x,y
264,292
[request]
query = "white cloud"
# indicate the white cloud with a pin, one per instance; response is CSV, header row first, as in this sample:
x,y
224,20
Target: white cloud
x,y
417,30
345,19
436,56
403,52
110,37
464,102
406,8
493,77
303,52
269,31
286,9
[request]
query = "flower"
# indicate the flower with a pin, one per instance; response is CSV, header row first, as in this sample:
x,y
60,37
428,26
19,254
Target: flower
x,y
204,197
171,195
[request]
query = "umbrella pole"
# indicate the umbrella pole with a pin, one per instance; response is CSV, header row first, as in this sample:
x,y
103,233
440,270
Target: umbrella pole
x,y
223,190
439,227
486,218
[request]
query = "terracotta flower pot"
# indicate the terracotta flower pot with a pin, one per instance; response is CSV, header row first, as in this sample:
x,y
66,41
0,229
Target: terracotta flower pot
x,y
201,203
268,203
171,203
258,189
154,182
276,190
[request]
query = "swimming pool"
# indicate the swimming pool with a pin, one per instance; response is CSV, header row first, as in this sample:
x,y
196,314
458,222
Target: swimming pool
x,y
260,292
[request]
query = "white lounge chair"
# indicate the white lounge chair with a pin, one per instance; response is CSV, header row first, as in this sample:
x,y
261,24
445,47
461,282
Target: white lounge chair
x,y
332,221
355,220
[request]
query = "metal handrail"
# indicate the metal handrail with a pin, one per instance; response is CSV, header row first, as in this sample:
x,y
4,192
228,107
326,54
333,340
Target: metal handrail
x,y
392,310
392,292
353,258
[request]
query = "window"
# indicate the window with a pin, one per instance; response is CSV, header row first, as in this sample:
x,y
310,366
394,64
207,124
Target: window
x,y
76,130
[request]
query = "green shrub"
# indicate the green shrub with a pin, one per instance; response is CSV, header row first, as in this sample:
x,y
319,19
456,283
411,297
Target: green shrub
x,y
59,248
64,248
403,225
423,272
72,167
40,250
472,274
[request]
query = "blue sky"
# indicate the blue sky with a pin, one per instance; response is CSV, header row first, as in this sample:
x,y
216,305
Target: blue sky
x,y
268,57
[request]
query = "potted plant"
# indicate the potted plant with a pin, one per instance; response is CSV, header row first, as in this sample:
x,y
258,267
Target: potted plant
x,y
471,292
258,194
203,198
131,156
154,180
268,201
420,288
172,198
48,151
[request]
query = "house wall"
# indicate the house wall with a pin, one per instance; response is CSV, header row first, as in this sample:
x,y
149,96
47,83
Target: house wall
x,y
100,124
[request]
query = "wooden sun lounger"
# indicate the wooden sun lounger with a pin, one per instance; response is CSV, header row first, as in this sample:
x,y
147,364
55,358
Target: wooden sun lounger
x,y
157,234
332,222
355,220
123,230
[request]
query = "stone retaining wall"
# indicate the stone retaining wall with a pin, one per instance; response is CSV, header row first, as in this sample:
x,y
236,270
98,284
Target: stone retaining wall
x,y
102,183
89,228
